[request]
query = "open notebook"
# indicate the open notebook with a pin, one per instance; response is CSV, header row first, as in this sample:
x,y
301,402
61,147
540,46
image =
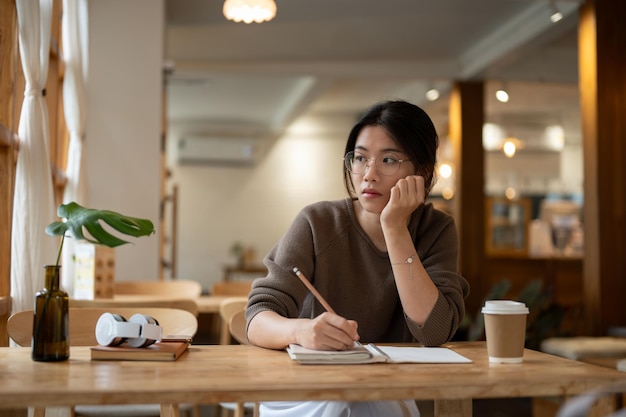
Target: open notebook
x,y
372,353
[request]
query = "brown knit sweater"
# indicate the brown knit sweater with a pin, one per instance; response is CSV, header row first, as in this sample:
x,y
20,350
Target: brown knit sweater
x,y
329,246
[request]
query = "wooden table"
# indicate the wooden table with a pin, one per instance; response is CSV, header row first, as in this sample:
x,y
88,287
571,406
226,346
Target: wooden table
x,y
212,374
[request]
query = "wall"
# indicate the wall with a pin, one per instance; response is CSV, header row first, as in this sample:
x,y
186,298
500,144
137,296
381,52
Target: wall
x,y
535,172
253,205
122,145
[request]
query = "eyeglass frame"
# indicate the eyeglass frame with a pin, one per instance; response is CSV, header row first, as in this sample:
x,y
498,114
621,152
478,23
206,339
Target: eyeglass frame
x,y
368,162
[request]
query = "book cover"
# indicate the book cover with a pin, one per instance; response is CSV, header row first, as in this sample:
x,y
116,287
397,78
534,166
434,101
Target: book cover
x,y
371,353
159,351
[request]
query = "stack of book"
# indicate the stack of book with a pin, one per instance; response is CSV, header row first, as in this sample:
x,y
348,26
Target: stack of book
x,y
159,351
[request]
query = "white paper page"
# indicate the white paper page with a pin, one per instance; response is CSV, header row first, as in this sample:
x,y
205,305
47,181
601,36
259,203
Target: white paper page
x,y
422,355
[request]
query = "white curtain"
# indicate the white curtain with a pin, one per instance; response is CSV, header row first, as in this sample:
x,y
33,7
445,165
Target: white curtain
x,y
74,27
34,206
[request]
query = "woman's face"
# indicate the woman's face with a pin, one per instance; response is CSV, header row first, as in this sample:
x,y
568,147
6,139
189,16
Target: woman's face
x,y
372,187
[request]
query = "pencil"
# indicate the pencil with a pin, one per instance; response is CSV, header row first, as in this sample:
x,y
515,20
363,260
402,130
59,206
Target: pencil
x,y
317,295
311,288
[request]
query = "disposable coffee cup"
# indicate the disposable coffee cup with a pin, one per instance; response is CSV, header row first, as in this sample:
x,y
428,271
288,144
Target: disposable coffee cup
x,y
505,328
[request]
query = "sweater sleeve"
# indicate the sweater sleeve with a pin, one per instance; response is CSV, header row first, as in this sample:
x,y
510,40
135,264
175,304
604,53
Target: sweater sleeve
x,y
280,291
438,251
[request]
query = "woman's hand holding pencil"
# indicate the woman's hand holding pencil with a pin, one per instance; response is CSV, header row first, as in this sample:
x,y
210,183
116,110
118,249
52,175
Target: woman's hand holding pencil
x,y
346,327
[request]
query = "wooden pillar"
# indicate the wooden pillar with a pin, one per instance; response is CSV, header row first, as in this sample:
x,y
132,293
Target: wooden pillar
x,y
602,65
466,132
8,145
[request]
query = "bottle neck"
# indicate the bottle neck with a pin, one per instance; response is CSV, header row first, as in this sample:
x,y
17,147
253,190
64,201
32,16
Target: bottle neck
x,y
52,277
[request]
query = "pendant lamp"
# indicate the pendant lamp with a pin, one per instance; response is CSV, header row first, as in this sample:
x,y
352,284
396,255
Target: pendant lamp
x,y
249,11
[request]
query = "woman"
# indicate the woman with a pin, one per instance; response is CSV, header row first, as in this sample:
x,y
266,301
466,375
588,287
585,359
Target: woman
x,y
383,259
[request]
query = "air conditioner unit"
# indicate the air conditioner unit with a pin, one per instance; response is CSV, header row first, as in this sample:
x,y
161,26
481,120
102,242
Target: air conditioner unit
x,y
214,150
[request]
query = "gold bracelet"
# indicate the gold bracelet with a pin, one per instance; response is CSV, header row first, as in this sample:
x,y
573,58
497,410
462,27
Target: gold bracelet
x,y
409,262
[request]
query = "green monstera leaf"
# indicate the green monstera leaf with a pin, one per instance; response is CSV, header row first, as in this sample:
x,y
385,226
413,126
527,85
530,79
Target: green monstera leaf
x,y
79,220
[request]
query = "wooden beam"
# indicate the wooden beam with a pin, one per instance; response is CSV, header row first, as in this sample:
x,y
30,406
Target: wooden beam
x,y
466,132
8,139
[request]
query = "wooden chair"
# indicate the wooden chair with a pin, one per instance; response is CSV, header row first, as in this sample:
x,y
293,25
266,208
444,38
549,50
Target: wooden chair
x,y
231,288
5,312
232,313
228,307
82,333
186,304
607,401
237,326
175,289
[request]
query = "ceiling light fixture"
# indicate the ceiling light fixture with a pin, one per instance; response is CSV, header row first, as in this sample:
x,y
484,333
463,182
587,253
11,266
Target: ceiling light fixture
x,y
249,11
509,148
511,145
432,94
445,170
502,95
447,193
510,193
556,14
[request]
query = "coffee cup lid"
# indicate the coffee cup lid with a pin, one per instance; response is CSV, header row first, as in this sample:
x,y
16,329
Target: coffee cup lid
x,y
504,307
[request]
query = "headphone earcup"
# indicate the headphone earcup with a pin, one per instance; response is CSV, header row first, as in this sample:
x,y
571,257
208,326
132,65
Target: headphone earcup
x,y
113,330
150,330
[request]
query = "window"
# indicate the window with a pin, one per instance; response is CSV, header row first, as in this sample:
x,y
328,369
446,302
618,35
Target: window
x,y
11,94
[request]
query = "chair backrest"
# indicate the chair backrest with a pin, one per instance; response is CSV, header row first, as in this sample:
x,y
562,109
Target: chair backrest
x,y
5,312
174,289
582,405
237,326
83,323
130,302
229,307
231,288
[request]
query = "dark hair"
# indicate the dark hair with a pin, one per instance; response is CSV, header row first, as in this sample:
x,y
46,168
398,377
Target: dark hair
x,y
410,128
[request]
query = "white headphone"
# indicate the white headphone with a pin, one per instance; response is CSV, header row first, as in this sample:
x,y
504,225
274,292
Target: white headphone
x,y
139,331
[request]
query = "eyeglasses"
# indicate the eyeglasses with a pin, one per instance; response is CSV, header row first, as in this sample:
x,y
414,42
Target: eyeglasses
x,y
386,164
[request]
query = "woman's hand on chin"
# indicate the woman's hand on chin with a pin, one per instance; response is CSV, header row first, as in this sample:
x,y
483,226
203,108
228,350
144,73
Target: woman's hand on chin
x,y
405,197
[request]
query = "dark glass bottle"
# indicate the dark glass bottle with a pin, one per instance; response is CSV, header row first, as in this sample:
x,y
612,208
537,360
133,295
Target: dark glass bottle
x,y
51,321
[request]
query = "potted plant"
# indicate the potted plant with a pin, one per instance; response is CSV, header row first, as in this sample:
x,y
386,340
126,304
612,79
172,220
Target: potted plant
x,y
51,316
